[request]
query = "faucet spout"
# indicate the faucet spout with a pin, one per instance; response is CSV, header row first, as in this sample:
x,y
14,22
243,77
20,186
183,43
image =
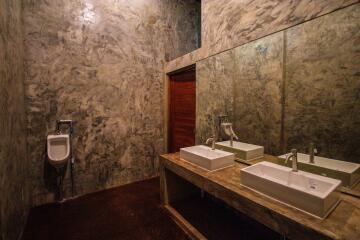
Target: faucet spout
x,y
214,137
293,155
228,130
212,141
312,152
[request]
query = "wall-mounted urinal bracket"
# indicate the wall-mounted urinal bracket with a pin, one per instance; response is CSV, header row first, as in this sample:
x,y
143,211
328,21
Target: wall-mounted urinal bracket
x,y
60,172
70,126
68,123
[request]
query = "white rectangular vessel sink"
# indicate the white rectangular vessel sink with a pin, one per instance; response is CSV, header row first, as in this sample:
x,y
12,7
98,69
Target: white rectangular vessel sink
x,y
347,172
207,158
311,193
242,150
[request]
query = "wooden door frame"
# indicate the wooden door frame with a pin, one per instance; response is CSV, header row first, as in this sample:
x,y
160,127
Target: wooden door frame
x,y
167,101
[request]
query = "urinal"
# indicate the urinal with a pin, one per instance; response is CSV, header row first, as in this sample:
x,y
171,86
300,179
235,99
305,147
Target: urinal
x,y
58,149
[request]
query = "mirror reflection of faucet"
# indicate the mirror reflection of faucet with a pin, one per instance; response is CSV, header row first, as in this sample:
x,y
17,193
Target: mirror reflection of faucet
x,y
242,151
228,130
312,152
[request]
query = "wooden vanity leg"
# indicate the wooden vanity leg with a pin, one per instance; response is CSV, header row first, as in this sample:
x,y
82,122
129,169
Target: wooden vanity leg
x,y
173,188
163,188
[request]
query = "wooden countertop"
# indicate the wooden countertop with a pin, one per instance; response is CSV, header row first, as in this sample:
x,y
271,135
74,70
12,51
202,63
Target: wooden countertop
x,y
225,184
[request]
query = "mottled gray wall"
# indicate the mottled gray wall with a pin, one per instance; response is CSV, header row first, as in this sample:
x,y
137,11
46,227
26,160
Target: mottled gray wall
x,y
183,23
245,84
290,88
257,92
323,85
230,23
99,63
214,92
14,200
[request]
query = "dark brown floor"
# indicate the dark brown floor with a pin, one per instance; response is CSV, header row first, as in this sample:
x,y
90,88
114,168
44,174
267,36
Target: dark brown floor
x,y
129,212
133,212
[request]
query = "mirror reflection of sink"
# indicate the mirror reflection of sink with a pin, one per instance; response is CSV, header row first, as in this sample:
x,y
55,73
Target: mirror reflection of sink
x,y
347,172
207,158
242,150
314,194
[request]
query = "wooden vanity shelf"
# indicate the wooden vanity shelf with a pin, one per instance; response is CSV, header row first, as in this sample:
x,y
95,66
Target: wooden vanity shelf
x,y
182,184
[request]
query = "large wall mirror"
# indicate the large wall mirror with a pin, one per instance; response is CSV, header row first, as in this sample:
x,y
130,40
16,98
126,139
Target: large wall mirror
x,y
299,88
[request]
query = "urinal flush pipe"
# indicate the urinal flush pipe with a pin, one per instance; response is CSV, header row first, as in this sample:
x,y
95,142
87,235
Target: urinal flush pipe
x,y
70,126
69,123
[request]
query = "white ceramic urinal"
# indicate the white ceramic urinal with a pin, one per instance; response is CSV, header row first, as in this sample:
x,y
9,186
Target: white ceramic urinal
x,y
58,149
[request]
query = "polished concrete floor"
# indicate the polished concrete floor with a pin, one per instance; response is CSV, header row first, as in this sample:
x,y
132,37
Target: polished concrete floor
x,y
128,212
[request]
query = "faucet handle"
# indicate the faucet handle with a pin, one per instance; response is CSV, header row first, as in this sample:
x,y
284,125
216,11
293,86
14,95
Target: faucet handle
x,y
290,155
312,148
209,139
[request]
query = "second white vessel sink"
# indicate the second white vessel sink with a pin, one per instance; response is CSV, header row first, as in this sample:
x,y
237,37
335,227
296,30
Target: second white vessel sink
x,y
244,151
347,172
314,194
207,158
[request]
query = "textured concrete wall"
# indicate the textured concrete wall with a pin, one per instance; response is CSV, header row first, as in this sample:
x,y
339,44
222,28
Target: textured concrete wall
x,y
99,63
290,88
323,85
214,92
183,26
230,23
257,91
244,83
14,200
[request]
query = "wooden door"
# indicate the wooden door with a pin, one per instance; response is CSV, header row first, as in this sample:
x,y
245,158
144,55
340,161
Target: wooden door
x,y
182,110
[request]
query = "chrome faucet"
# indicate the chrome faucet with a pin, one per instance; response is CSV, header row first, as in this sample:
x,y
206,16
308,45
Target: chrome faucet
x,y
293,155
212,140
227,129
312,152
